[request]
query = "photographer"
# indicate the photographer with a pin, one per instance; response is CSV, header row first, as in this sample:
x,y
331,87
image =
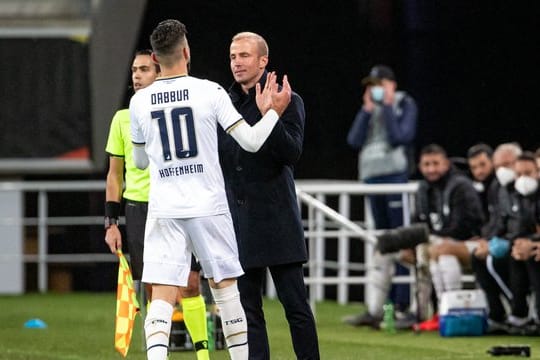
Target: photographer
x,y
383,132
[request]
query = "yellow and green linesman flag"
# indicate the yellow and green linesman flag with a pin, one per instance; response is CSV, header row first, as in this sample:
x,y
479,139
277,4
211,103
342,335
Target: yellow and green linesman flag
x,y
127,306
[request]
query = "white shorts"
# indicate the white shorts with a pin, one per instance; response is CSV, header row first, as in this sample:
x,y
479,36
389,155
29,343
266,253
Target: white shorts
x,y
168,244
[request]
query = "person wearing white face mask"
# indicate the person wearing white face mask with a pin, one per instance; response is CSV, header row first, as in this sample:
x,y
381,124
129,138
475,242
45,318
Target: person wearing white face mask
x,y
491,272
504,157
522,214
383,132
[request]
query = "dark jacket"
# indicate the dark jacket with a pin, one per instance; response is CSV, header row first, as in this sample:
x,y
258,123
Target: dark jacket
x,y
518,214
384,138
260,186
489,198
400,124
450,206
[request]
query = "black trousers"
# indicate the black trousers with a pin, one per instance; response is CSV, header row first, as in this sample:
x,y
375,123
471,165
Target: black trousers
x,y
136,212
291,290
524,278
494,284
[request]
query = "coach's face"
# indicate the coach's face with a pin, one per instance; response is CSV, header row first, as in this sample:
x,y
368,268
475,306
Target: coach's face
x,y
247,65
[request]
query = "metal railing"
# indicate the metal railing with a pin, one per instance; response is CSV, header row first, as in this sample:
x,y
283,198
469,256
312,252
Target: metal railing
x,y
321,223
43,221
320,217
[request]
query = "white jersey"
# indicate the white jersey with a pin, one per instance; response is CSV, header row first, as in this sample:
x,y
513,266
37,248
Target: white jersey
x,y
176,118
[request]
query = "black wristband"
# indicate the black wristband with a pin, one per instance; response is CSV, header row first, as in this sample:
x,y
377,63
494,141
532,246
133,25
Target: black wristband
x,y
201,345
109,221
112,209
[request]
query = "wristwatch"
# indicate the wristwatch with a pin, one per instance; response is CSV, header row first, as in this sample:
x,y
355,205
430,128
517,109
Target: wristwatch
x,y
108,221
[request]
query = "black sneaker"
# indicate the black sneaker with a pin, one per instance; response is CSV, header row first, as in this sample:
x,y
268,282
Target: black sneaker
x,y
405,320
365,319
529,328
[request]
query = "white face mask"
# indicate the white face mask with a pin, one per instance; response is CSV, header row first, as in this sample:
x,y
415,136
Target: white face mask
x,y
505,175
526,185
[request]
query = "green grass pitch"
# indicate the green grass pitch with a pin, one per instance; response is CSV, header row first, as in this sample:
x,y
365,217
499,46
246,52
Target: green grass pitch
x,y
81,326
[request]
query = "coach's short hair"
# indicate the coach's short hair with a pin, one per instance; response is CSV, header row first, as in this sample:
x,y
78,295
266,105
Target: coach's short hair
x,y
261,43
167,39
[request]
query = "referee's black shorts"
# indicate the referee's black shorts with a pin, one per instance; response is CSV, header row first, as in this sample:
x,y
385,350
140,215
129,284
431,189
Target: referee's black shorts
x,y
136,213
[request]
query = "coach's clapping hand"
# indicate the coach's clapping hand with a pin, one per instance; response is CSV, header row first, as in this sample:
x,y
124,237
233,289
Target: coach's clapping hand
x,y
264,98
281,99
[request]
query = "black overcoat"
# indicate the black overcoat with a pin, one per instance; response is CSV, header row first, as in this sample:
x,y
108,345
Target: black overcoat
x,y
260,186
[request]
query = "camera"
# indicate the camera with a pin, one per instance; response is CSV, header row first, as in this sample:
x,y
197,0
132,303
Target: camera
x,y
404,237
517,350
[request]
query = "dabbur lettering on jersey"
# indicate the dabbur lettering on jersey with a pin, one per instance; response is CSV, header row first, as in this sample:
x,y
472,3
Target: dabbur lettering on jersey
x,y
169,96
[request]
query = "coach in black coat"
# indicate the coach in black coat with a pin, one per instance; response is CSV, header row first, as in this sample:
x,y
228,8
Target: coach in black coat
x,y
262,198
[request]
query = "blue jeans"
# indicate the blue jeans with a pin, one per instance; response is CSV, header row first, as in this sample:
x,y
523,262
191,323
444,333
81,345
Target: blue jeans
x,y
387,213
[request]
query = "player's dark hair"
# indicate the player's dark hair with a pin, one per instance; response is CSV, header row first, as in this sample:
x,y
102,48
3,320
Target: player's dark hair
x,y
433,149
166,38
147,52
478,149
527,156
143,52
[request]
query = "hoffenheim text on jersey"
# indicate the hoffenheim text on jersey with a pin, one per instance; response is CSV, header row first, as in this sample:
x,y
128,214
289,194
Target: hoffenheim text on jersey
x,y
181,170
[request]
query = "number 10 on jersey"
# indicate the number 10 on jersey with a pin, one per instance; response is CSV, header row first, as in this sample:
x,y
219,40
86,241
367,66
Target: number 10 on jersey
x,y
183,132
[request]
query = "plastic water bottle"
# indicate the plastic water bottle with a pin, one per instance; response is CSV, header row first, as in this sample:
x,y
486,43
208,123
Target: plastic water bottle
x,y
210,329
388,318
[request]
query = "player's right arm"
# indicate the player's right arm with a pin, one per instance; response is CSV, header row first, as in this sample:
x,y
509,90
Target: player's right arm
x,y
251,138
140,157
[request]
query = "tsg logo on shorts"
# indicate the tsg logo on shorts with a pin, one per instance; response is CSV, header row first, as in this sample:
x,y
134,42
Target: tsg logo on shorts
x,y
233,321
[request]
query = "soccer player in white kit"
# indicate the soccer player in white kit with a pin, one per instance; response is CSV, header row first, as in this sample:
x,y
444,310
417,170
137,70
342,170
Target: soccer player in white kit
x,y
174,131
